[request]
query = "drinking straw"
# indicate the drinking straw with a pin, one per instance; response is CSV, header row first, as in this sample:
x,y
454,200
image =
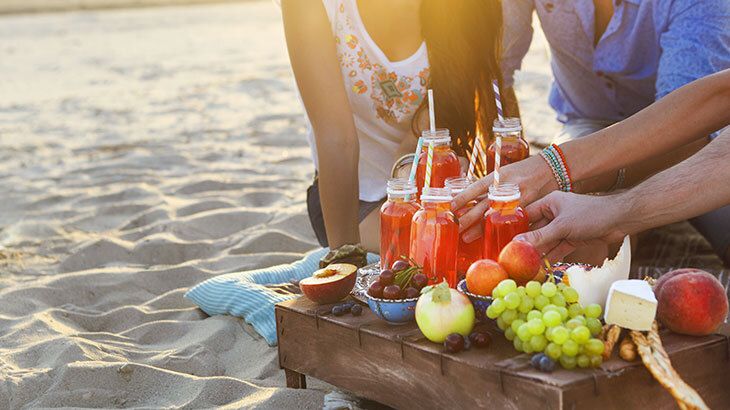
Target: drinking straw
x,y
431,114
429,162
498,140
477,150
419,145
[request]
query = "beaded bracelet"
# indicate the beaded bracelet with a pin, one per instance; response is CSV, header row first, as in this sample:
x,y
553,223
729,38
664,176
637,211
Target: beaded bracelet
x,y
555,159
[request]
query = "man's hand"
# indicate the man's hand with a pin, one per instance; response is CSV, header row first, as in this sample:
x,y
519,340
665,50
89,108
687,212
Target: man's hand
x,y
533,177
564,221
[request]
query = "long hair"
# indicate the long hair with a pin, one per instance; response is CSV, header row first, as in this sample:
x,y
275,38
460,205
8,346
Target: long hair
x,y
464,43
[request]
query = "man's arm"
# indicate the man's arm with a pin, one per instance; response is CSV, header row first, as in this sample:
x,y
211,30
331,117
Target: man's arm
x,y
516,39
693,187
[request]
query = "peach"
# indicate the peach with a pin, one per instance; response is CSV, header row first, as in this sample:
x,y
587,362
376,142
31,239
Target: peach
x,y
483,276
664,278
692,303
330,284
521,261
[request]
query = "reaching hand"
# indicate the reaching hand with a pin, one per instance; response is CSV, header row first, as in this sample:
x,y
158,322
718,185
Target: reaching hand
x,y
533,177
564,221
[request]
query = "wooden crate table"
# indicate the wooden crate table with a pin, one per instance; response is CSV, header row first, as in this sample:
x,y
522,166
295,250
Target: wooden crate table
x,y
397,366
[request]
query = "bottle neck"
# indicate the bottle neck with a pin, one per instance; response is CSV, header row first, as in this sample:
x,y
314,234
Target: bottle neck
x,y
501,205
440,206
401,197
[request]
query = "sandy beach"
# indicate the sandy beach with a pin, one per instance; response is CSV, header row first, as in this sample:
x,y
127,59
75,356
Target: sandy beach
x,y
143,151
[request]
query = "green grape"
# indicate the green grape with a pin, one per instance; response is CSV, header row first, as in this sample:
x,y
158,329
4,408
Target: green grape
x,y
570,348
501,324
509,334
561,286
553,351
575,310
573,323
491,312
571,295
507,286
536,326
497,292
594,325
526,304
509,316
549,289
541,301
593,310
568,362
560,335
517,343
563,313
551,318
580,334
534,314
523,316
583,361
558,300
596,361
549,333
516,324
523,332
521,291
512,300
498,306
581,349
538,343
580,318
548,308
594,347
533,288
527,347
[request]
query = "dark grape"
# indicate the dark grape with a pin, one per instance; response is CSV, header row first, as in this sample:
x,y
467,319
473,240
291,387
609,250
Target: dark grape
x,y
387,277
400,264
376,290
338,310
480,339
412,292
347,306
535,360
419,280
547,364
392,292
356,310
454,343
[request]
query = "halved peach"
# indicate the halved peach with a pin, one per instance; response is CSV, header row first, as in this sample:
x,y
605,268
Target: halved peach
x,y
330,284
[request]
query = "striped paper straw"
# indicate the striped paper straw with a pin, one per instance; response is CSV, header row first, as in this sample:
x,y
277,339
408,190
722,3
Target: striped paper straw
x,y
476,152
429,163
498,140
414,164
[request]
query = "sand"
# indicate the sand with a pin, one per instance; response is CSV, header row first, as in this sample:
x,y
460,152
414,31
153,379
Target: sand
x,y
142,152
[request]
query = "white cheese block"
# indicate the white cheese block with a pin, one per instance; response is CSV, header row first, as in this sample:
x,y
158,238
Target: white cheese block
x,y
593,285
631,304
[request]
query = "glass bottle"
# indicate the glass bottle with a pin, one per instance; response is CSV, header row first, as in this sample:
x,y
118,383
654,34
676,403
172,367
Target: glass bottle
x,y
445,162
504,220
395,221
435,236
467,252
514,146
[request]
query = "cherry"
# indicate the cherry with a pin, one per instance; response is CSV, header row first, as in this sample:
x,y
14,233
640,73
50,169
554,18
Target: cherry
x,y
400,264
376,290
454,343
412,292
480,339
392,292
419,280
387,277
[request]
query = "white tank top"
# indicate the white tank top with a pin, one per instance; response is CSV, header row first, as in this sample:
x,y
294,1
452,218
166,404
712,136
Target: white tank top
x,y
383,95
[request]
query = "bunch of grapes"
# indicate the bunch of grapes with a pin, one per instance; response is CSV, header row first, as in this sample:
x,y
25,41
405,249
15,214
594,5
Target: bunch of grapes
x,y
547,318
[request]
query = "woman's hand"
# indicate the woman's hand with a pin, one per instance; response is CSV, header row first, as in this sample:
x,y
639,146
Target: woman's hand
x,y
533,176
565,221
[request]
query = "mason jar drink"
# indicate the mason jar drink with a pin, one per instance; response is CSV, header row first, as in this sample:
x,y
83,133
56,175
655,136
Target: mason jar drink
x,y
435,236
445,162
467,252
504,220
514,146
395,221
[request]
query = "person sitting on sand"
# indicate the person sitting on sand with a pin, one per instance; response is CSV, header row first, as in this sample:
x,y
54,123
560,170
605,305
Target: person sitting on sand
x,y
612,58
563,221
363,69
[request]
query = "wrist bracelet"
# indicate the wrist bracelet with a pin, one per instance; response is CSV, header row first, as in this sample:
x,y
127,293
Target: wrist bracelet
x,y
555,159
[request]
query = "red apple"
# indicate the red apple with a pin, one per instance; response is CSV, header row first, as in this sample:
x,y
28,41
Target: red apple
x,y
692,303
521,261
664,278
330,284
483,276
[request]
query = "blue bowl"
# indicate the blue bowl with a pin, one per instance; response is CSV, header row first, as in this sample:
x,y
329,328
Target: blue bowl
x,y
396,312
480,303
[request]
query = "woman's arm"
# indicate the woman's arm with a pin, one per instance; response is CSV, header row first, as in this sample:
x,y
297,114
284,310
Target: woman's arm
x,y
693,187
314,61
696,109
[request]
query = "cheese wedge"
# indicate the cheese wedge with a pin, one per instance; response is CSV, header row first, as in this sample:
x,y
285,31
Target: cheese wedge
x,y
593,284
631,304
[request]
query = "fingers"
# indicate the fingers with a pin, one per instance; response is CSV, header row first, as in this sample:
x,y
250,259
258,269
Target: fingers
x,y
543,208
478,188
474,216
559,252
473,233
545,238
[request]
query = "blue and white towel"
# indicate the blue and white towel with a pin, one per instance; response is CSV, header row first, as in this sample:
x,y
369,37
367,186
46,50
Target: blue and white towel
x,y
246,294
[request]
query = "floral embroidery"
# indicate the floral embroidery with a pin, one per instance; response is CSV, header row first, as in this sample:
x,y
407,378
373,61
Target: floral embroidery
x,y
360,87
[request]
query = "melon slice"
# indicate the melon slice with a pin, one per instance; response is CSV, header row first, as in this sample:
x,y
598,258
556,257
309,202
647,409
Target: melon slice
x,y
593,284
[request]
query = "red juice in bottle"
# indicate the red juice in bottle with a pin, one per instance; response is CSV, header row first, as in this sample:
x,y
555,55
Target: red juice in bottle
x,y
445,162
467,252
504,220
435,236
395,221
514,146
